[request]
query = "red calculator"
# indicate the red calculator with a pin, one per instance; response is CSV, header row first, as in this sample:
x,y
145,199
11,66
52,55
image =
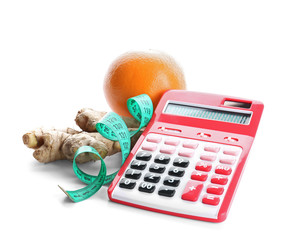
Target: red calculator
x,y
189,160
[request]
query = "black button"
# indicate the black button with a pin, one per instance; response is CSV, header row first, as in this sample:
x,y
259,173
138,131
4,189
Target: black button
x,y
146,187
127,183
171,181
145,156
156,168
152,177
133,174
138,165
165,191
162,158
174,171
180,162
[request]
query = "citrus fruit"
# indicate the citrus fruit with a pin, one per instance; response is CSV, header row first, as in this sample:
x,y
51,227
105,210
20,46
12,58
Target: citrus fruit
x,y
135,73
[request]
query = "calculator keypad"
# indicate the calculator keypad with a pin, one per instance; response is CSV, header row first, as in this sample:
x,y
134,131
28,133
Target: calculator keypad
x,y
179,175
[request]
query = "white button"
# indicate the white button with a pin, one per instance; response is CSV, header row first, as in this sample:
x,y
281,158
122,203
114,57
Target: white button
x,y
211,149
154,138
190,144
231,152
171,141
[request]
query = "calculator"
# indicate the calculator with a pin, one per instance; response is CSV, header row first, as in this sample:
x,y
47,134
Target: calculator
x,y
189,160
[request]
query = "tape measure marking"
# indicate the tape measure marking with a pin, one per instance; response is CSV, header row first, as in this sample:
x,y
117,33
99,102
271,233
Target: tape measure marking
x,y
114,128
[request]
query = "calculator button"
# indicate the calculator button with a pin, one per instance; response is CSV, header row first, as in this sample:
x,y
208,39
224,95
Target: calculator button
x,y
157,168
162,158
140,165
211,200
145,156
204,135
165,191
211,149
133,174
127,183
152,177
177,172
192,191
180,162
214,189
146,187
149,146
231,139
199,176
173,142
218,179
186,153
167,149
190,144
171,181
203,166
231,152
229,161
210,158
223,169
154,139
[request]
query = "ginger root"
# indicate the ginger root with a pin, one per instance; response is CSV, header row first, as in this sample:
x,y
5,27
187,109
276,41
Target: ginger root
x,y
61,144
87,119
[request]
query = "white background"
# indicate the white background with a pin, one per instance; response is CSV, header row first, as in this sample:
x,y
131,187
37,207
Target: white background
x,y
53,58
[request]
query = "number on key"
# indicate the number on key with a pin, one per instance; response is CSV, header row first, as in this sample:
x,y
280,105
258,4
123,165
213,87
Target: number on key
x,y
146,187
127,183
145,156
174,171
133,174
171,181
162,158
156,168
140,165
152,177
180,162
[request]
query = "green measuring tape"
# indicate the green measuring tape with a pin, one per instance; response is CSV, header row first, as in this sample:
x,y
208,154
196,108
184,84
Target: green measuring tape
x,y
114,128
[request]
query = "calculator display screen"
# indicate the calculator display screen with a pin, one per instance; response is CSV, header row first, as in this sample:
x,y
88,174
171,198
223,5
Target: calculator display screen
x,y
207,112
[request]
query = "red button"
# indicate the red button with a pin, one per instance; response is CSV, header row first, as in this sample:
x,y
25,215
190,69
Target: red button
x,y
219,179
211,200
223,169
199,176
203,166
192,191
214,189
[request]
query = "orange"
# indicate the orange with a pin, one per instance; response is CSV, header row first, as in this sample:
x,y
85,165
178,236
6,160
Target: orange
x,y
135,73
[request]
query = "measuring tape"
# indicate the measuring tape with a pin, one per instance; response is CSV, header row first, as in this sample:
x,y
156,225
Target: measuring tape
x,y
114,128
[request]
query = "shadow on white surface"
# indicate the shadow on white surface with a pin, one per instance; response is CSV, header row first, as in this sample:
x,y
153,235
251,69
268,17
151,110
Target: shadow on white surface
x,y
61,171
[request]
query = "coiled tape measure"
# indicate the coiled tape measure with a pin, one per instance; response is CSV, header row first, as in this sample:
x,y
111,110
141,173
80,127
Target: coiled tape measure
x,y
187,162
114,128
